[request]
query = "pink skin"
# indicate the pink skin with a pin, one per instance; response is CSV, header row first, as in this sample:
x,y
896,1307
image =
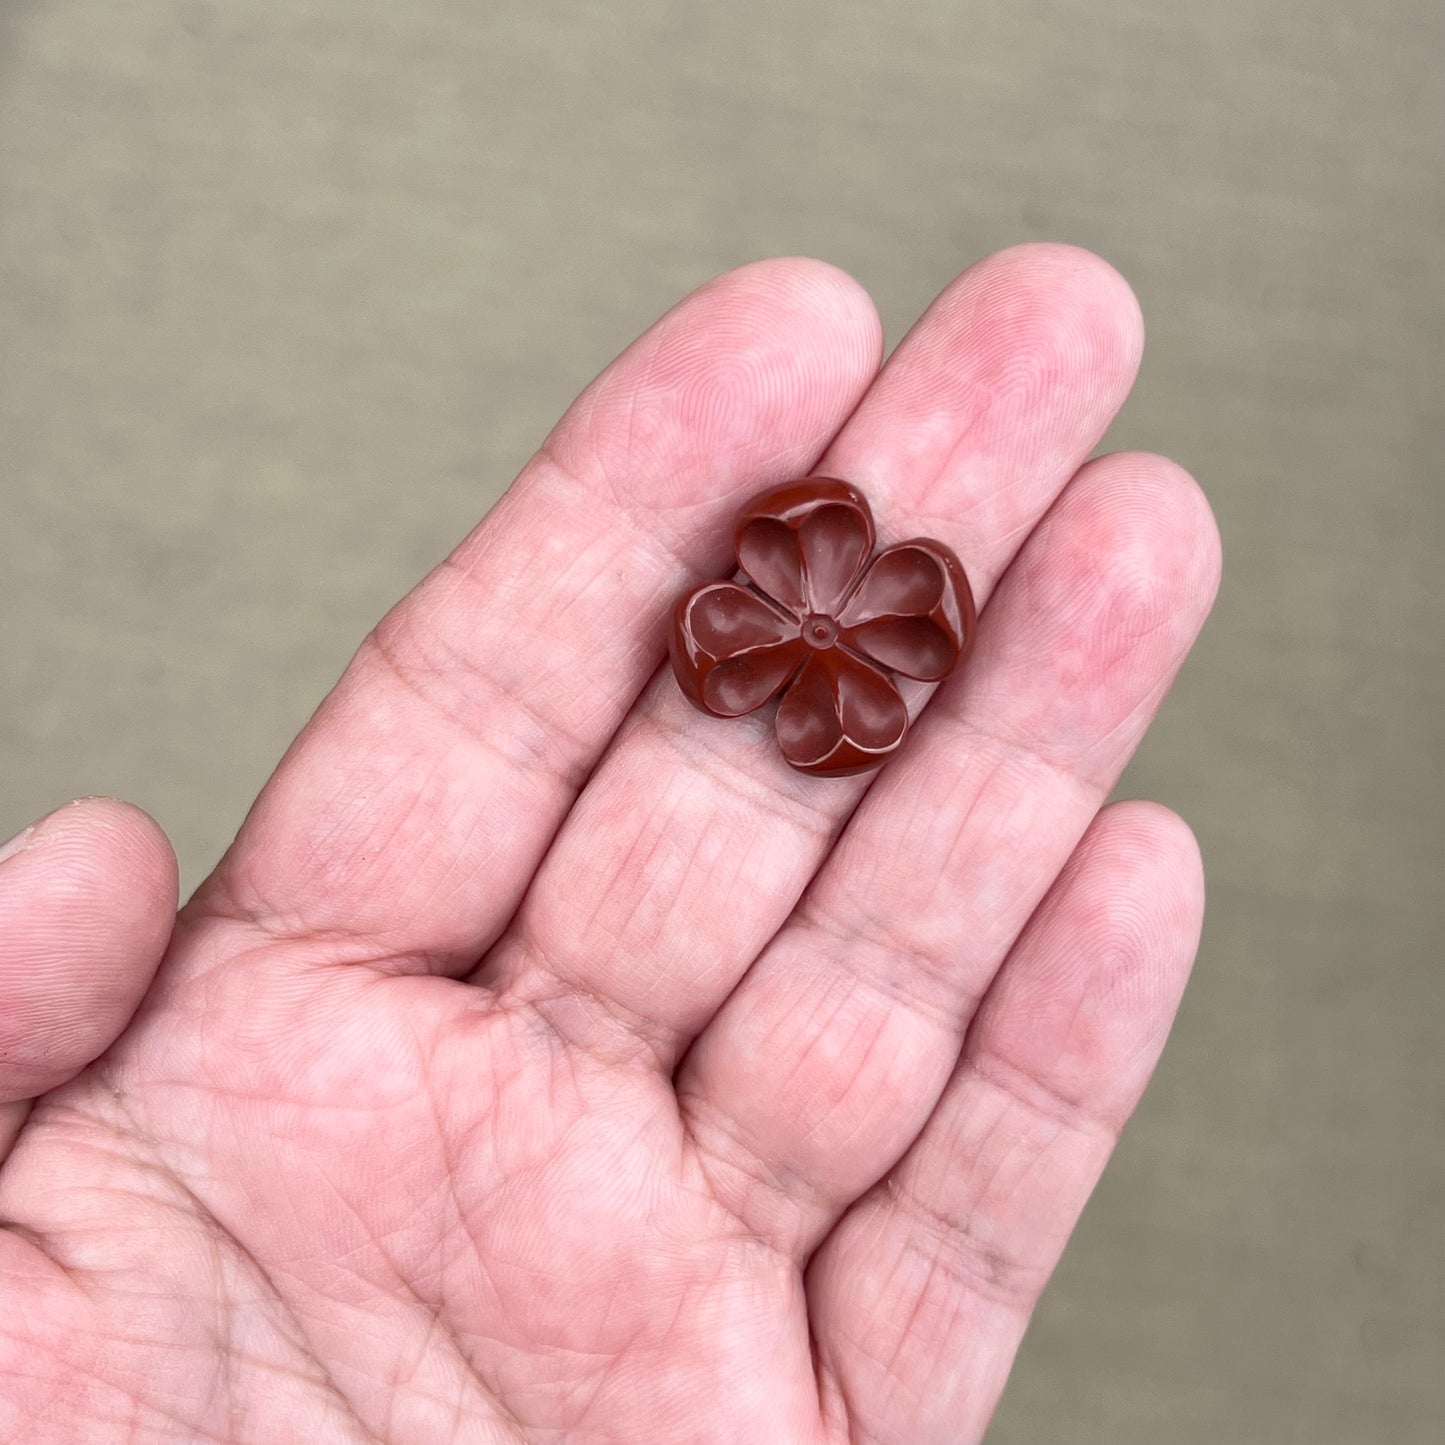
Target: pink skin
x,y
494,1089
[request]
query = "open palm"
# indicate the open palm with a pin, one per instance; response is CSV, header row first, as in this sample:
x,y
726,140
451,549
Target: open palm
x,y
547,1061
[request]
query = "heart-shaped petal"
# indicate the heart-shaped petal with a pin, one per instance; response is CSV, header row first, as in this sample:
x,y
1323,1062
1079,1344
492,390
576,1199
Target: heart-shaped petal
x,y
840,716
913,611
805,544
731,650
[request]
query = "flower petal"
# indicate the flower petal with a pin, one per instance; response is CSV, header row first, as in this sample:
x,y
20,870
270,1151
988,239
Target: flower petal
x,y
840,716
913,611
805,544
731,649
724,619
836,541
744,683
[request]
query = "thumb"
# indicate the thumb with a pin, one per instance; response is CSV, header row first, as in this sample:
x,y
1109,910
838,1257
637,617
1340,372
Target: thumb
x,y
87,901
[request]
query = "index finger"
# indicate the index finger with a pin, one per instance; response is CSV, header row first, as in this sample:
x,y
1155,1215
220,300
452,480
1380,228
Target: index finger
x,y
407,819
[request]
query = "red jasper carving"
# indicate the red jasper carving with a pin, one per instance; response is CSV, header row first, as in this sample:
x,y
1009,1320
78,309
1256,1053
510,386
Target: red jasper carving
x,y
826,624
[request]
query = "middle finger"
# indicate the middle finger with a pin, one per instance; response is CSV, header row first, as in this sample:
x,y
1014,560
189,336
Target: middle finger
x,y
693,839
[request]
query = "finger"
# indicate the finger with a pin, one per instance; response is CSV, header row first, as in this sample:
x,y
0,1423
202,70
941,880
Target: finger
x,y
694,839
829,1056
407,819
87,900
921,1294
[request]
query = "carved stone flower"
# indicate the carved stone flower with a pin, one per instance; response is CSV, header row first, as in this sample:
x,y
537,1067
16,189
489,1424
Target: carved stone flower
x,y
824,626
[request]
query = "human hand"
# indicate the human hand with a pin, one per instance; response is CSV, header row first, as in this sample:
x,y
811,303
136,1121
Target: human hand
x,y
547,1061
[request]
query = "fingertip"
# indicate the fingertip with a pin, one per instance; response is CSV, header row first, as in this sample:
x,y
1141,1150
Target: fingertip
x,y
1135,901
814,285
824,327
1056,316
109,848
1160,487
1149,530
838,299
1102,607
1090,992
1082,282
87,902
997,394
1151,848
747,376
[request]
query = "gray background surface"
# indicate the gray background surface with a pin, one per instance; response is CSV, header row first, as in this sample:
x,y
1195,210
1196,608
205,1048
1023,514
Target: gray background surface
x,y
287,293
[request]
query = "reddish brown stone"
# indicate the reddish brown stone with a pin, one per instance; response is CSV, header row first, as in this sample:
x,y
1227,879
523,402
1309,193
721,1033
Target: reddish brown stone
x,y
819,622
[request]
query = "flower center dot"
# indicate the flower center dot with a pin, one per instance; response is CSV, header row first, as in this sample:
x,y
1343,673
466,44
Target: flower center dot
x,y
820,631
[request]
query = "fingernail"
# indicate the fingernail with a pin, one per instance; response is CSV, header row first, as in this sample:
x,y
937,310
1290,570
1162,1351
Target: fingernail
x,y
10,849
